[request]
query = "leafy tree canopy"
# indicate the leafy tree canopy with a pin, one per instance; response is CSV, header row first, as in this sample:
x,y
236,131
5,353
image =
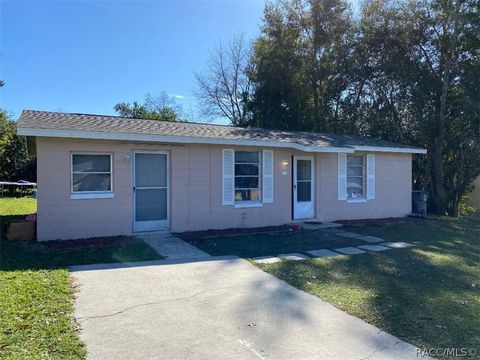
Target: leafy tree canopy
x,y
162,107
14,161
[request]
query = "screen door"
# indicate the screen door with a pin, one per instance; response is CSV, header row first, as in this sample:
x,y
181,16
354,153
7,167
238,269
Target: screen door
x,y
303,204
150,191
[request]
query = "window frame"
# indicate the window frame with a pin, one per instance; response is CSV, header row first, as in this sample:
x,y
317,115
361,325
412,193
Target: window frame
x,y
363,198
248,203
95,194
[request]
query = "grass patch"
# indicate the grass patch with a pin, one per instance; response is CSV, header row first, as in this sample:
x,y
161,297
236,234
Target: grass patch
x,y
36,316
17,206
33,255
36,296
426,295
275,243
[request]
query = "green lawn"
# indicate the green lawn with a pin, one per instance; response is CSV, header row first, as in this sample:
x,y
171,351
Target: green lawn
x,y
36,296
428,295
17,206
274,243
36,316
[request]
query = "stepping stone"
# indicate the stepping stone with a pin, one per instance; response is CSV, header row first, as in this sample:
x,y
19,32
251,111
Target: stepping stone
x,y
348,234
374,247
350,250
398,244
293,256
322,253
267,259
370,239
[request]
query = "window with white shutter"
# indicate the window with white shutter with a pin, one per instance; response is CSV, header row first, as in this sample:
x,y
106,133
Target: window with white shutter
x,y
355,177
247,176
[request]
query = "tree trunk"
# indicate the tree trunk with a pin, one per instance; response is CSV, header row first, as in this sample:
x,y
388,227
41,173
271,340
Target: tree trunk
x,y
438,189
438,185
453,211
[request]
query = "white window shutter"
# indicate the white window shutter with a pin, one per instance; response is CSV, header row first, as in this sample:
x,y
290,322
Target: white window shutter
x,y
370,177
342,176
267,175
228,176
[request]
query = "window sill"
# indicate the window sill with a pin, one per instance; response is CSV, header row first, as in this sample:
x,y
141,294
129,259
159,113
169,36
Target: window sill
x,y
92,195
248,204
356,201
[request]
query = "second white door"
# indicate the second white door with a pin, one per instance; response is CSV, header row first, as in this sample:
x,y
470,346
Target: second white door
x,y
303,188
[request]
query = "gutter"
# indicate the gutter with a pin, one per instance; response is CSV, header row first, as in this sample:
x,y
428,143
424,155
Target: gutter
x,y
101,135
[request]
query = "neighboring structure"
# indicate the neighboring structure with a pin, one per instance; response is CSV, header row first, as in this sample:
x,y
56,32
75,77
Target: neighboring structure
x,y
474,197
104,175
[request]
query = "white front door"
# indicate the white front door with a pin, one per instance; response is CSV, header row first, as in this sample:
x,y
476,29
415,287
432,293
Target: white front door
x,y
303,188
150,191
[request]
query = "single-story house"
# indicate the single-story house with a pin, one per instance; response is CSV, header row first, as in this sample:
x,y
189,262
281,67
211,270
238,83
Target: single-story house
x,y
106,175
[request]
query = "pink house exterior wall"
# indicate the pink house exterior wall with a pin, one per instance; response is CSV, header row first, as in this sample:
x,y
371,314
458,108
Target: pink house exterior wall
x,y
196,190
393,189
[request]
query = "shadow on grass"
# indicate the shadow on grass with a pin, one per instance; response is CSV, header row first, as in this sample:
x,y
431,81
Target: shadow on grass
x,y
31,255
275,243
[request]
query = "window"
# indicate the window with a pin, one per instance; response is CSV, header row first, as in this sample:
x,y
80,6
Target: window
x,y
91,173
304,180
355,177
247,176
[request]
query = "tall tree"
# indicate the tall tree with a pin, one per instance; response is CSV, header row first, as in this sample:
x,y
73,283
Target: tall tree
x,y
279,84
163,107
301,64
425,57
224,86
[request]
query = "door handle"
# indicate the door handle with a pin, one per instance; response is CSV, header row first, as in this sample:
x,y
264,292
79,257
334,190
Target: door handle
x,y
294,187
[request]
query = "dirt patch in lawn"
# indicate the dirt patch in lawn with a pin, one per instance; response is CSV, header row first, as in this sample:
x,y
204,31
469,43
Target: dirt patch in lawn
x,y
95,241
385,221
195,235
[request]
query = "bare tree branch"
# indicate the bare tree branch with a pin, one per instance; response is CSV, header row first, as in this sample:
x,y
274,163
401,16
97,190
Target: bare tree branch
x,y
224,87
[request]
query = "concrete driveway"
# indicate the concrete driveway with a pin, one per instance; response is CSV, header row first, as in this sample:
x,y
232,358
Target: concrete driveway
x,y
220,308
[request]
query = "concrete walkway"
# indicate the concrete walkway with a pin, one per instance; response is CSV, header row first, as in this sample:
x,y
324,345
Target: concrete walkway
x,y
218,308
171,246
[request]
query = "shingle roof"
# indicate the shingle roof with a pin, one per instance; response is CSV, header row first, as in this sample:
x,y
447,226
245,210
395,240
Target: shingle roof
x,y
43,123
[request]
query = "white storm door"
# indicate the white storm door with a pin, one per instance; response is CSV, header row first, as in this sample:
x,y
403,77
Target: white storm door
x,y
303,186
150,191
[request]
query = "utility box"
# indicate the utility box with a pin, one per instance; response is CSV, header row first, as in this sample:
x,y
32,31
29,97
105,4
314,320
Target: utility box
x,y
419,202
20,230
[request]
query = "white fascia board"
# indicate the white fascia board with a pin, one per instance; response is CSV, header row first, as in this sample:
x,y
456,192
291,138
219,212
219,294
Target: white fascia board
x,y
390,149
100,135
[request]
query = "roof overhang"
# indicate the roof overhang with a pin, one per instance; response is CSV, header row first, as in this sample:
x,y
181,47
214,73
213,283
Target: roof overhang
x,y
101,135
